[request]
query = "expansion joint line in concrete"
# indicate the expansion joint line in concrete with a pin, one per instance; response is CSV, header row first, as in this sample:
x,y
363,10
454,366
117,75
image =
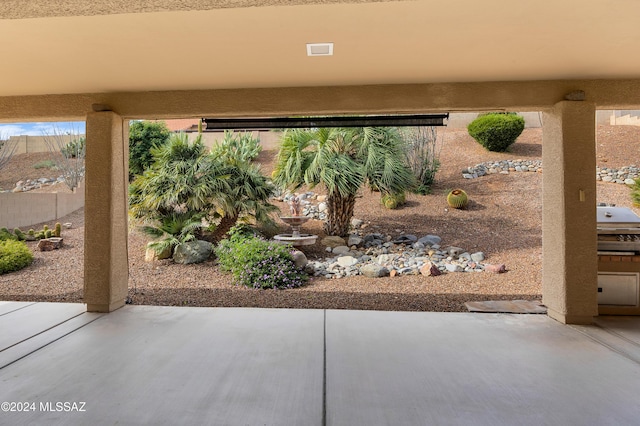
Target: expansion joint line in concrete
x,y
324,370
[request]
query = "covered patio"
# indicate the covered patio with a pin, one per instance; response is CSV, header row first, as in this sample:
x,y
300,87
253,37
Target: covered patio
x,y
239,366
160,59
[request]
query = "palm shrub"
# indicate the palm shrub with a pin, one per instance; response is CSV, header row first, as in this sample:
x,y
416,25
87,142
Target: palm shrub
x,y
186,185
255,262
343,160
14,255
247,200
143,136
496,131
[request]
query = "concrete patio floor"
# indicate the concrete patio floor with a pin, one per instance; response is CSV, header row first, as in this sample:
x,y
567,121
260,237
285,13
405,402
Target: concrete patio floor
x,y
239,366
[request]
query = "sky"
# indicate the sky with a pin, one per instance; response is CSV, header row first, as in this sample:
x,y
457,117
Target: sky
x,y
41,129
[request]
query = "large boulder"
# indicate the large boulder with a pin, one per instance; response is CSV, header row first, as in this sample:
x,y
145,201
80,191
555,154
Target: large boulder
x,y
49,244
192,252
300,259
151,255
333,241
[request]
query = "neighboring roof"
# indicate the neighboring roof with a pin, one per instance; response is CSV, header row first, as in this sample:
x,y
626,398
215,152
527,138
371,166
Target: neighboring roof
x,y
399,42
182,124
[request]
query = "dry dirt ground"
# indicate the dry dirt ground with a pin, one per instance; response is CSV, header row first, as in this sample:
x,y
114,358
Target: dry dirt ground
x,y
503,220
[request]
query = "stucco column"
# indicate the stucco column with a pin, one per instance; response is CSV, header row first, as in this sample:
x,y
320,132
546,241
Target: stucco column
x,y
106,270
569,247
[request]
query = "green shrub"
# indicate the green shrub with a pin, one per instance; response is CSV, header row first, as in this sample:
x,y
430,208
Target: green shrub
x,y
258,263
496,131
143,136
14,255
74,149
5,234
45,164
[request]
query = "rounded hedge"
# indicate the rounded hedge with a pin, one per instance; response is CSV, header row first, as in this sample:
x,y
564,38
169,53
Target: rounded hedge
x,y
496,131
14,255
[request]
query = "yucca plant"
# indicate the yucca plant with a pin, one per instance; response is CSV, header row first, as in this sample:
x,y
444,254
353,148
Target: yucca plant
x,y
343,160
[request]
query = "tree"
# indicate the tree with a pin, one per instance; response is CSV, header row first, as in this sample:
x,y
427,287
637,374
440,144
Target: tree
x,y
68,153
185,186
7,149
143,136
422,154
343,160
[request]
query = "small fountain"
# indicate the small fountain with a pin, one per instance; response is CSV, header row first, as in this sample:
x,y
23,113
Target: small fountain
x,y
295,221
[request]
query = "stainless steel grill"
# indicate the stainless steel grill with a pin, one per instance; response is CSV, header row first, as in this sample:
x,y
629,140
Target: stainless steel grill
x,y
618,230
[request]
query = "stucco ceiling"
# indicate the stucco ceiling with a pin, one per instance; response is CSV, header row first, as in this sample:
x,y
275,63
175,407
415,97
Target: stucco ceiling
x,y
421,41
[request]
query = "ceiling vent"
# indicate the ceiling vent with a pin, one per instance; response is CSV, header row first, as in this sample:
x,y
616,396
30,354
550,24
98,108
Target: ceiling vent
x,y
319,49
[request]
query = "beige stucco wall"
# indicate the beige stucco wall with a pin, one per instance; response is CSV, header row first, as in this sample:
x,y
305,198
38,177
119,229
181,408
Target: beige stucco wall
x,y
403,98
28,144
19,210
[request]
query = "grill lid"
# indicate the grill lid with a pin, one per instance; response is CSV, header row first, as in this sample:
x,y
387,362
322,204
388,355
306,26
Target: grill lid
x,y
617,217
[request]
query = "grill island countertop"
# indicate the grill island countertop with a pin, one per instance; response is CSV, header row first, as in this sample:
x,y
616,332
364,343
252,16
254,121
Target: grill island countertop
x,y
618,230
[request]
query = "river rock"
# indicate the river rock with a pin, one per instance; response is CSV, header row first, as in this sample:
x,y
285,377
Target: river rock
x,y
496,269
477,256
356,223
450,267
341,250
346,261
354,240
374,271
454,251
192,252
430,240
430,270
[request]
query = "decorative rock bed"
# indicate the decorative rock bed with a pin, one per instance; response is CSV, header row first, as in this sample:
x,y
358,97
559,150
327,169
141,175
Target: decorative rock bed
x,y
377,255
624,175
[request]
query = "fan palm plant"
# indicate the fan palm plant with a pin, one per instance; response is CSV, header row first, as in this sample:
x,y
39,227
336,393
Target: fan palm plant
x,y
343,160
185,183
172,230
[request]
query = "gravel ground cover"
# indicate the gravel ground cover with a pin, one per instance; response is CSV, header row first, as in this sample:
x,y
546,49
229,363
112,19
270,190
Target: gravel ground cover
x,y
503,221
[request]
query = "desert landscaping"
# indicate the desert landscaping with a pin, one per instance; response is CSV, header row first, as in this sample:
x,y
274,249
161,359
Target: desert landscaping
x,y
502,220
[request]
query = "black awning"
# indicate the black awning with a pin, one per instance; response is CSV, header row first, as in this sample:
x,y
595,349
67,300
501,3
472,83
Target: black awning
x,y
213,124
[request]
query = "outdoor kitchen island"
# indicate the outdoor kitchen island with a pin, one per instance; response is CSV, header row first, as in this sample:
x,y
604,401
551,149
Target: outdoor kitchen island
x,y
618,261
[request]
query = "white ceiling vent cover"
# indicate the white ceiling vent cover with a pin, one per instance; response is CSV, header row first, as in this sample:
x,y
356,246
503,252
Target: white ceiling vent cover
x,y
319,49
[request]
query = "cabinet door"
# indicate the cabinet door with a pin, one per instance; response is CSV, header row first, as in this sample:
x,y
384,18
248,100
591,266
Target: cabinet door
x,y
618,288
